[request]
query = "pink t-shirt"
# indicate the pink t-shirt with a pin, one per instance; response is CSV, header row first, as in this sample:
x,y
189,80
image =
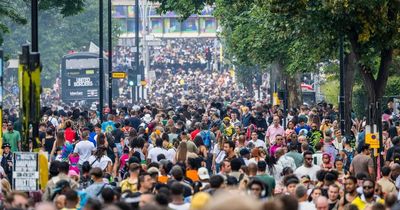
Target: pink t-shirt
x,y
124,158
272,131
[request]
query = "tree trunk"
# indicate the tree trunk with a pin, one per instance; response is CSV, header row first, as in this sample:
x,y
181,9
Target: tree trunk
x,y
350,66
295,98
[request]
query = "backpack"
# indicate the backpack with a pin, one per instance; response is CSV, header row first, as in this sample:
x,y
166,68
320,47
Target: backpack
x,y
206,138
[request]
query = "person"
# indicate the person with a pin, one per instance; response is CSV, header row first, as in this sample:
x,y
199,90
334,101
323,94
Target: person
x,y
368,197
333,197
63,168
177,203
12,137
302,198
274,130
308,168
363,163
283,160
229,148
94,190
257,188
268,180
293,153
71,200
278,144
108,126
387,184
154,152
69,133
100,159
255,141
16,200
48,140
326,162
131,183
322,203
7,161
84,148
315,135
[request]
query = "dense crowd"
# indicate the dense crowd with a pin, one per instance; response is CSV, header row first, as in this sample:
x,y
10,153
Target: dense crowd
x,y
205,157
173,53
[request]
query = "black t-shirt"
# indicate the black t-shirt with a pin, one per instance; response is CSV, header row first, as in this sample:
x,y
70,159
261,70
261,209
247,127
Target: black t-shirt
x,y
110,152
48,144
118,135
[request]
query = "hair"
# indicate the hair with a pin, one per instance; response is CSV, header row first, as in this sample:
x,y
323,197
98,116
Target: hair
x,y
230,143
370,180
159,142
97,172
108,195
60,139
177,189
301,191
181,153
5,186
216,181
101,139
134,167
318,146
307,153
85,134
352,178
63,167
198,141
385,171
71,195
236,163
137,142
288,202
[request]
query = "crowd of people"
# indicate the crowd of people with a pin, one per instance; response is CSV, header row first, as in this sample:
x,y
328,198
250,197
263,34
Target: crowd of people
x,y
205,155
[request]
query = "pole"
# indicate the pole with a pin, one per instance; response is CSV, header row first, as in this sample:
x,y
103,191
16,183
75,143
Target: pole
x,y
1,95
137,41
34,26
101,67
110,80
341,97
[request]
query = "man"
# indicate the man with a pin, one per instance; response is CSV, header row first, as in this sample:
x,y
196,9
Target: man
x,y
131,183
293,153
333,196
368,197
308,168
317,156
154,152
279,142
274,130
315,135
194,133
207,136
322,203
385,182
302,125
267,179
396,145
363,163
329,148
108,126
146,184
63,168
191,146
7,161
302,197
350,184
71,200
12,137
225,168
94,190
246,117
177,202
134,120
236,165
255,141
84,148
229,148
283,160
16,200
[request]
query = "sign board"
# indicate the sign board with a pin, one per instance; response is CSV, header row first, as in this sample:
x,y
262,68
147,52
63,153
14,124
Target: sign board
x,y
118,75
143,83
25,171
373,140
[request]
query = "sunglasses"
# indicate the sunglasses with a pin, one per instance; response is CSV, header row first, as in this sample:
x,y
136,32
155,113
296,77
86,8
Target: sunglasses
x,y
368,187
309,158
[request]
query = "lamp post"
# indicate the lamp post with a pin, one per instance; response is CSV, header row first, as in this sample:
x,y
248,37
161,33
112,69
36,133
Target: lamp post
x,y
341,97
110,80
137,63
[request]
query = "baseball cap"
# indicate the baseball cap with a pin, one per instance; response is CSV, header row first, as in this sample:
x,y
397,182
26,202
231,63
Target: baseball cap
x,y
203,173
199,200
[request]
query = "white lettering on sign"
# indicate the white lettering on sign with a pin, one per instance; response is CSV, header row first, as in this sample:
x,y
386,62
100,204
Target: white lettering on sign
x,y
76,93
83,82
25,171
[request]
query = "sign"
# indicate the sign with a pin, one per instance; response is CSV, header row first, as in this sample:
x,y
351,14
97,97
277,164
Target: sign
x,y
118,75
25,171
373,140
143,83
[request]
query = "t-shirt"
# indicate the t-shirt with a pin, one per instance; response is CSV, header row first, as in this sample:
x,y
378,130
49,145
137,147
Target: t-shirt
x,y
153,153
269,181
102,163
12,138
170,155
361,163
84,149
184,206
312,172
108,126
305,205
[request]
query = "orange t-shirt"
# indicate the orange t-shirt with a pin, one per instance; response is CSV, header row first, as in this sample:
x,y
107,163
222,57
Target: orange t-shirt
x,y
192,174
163,179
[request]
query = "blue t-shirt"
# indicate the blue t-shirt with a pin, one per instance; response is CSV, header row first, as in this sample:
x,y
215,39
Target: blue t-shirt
x,y
91,138
108,126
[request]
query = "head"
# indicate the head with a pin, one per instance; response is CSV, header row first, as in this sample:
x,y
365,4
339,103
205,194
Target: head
x,y
308,159
257,188
229,147
146,183
254,136
322,203
333,192
365,149
276,121
10,126
368,188
279,139
225,167
301,193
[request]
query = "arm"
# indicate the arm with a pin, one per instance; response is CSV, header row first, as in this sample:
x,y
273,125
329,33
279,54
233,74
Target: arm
x,y
351,169
53,150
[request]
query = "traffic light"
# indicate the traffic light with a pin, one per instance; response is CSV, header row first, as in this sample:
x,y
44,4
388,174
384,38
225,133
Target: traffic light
x,y
131,77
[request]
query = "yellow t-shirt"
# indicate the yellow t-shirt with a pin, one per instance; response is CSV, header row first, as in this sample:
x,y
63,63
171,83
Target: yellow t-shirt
x,y
362,204
127,185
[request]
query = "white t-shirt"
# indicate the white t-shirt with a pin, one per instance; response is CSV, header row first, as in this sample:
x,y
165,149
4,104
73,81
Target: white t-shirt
x,y
312,172
184,206
154,152
84,150
305,205
219,154
258,143
170,154
102,163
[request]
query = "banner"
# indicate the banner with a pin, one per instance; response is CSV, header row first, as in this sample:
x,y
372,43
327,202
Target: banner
x,y
25,171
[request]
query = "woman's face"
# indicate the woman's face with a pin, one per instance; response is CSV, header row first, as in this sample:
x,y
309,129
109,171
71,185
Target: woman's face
x,y
339,165
291,188
326,159
316,194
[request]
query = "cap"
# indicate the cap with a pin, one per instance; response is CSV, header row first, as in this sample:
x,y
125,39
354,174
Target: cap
x,y
6,145
72,173
203,173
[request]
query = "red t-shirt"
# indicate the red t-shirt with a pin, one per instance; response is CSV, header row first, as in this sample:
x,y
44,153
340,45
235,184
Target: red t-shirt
x,y
194,134
69,135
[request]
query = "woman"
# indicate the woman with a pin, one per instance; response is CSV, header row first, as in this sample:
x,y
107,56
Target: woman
x,y
58,145
203,152
69,133
255,155
137,145
181,153
218,153
101,160
315,193
290,129
48,141
290,182
340,169
326,162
